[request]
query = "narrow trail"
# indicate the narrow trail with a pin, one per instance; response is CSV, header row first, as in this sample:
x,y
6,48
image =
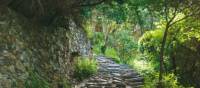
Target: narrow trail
x,y
112,75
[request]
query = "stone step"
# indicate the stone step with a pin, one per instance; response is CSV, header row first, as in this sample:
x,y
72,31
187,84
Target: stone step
x,y
112,75
117,78
128,71
116,81
137,79
121,86
90,83
116,74
112,68
102,84
135,83
113,65
109,87
129,75
139,86
93,86
97,80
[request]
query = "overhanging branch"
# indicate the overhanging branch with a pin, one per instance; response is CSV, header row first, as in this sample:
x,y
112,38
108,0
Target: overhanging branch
x,y
92,4
189,15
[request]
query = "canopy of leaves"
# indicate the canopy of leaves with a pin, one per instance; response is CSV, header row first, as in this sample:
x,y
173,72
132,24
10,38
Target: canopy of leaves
x,y
152,16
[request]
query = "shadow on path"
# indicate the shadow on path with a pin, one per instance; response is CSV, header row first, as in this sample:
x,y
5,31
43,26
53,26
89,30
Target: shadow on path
x,y
112,75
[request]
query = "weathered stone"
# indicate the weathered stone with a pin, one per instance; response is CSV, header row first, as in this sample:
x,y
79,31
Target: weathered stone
x,y
128,75
135,83
134,79
5,83
114,65
28,49
115,76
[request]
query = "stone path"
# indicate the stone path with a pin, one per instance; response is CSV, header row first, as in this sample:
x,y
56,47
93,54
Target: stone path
x,y
112,75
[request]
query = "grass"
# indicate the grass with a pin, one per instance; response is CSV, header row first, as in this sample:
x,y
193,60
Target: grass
x,y
36,81
111,52
84,68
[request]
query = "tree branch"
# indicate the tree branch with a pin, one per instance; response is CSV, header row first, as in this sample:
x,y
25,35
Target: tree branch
x,y
92,4
5,2
174,15
193,14
165,10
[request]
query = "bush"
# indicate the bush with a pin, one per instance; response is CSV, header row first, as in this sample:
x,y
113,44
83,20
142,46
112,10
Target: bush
x,y
150,43
110,52
84,68
169,81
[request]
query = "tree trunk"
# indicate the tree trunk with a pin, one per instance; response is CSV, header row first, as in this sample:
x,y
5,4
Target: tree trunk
x,y
161,56
173,62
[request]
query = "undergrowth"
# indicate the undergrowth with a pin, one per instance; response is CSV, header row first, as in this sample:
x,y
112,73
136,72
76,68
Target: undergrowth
x,y
36,81
84,68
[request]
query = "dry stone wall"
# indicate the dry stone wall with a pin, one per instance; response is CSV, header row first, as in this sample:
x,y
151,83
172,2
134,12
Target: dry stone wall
x,y
28,50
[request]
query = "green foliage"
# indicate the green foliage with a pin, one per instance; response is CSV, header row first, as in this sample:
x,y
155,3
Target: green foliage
x,y
97,41
36,81
146,69
151,76
88,30
151,41
125,44
66,84
84,68
149,45
141,64
169,81
118,19
111,52
187,51
97,49
115,12
182,44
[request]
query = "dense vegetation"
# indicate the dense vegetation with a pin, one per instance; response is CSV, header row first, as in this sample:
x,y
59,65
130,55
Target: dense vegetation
x,y
84,68
158,38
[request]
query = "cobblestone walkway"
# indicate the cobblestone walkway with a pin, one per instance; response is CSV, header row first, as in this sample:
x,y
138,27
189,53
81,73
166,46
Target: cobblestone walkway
x,y
112,75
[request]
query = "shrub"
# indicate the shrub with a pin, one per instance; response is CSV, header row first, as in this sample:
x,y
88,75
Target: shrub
x,y
169,81
84,68
110,52
97,49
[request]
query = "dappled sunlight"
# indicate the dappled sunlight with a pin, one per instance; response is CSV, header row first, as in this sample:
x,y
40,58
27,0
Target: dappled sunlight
x,y
142,65
99,43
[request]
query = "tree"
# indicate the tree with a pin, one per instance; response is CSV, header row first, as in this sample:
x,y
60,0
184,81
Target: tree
x,y
171,20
